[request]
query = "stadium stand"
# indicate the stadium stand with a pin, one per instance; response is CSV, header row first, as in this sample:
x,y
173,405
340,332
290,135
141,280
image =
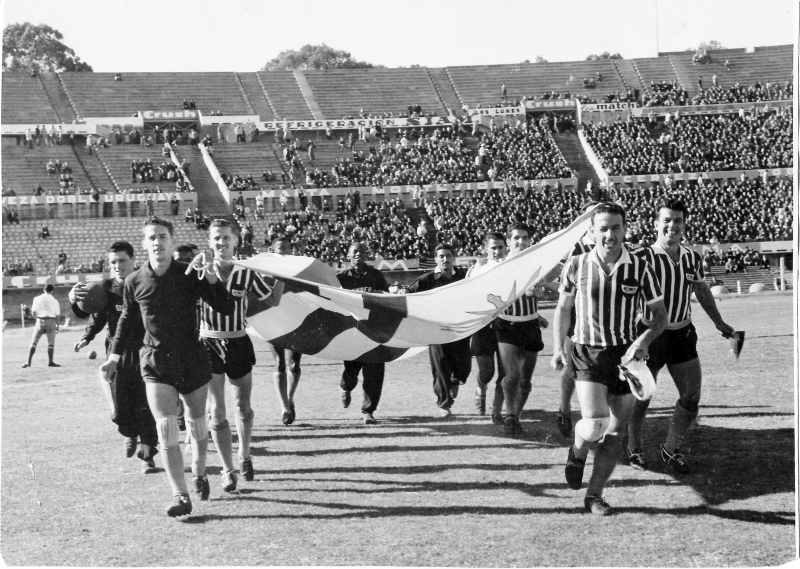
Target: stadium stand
x,y
695,143
344,92
25,100
726,211
99,95
284,94
481,83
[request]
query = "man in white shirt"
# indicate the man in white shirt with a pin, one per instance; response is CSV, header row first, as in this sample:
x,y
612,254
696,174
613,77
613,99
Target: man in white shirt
x,y
45,309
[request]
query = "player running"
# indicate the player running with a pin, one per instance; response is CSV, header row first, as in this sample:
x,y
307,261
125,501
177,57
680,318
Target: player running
x,y
163,293
285,388
483,343
519,340
680,272
131,412
606,286
450,363
231,353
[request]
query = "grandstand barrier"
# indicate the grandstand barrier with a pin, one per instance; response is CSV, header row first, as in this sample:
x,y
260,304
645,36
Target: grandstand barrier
x,y
353,124
174,158
765,247
591,155
621,112
434,191
496,111
20,129
51,207
209,120
764,174
550,104
36,281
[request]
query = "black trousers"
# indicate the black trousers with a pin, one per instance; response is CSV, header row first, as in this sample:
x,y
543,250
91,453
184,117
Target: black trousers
x,y
450,364
372,384
132,413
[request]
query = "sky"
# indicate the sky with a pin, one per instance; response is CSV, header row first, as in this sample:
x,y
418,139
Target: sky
x,y
239,35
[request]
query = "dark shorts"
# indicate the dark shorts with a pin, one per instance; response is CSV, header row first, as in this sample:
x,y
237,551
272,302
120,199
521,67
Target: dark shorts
x,y
525,335
186,369
599,365
239,356
672,347
483,342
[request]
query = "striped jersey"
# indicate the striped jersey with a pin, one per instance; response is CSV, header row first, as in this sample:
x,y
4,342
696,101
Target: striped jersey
x,y
524,309
676,280
239,283
606,305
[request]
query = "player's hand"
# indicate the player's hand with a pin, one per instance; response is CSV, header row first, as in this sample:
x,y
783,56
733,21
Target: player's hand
x,y
81,344
635,352
543,322
109,369
205,269
77,293
727,331
558,361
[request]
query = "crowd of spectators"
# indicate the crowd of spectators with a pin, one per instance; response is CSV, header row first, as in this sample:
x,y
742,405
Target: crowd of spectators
x,y
755,93
694,143
735,260
17,268
721,211
666,94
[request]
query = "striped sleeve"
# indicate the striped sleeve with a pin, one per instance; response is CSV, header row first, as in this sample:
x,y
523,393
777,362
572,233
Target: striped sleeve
x,y
567,285
259,286
651,289
699,273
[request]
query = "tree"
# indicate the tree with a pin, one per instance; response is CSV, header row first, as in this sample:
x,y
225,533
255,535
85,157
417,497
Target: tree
x,y
315,57
540,59
706,45
604,55
38,48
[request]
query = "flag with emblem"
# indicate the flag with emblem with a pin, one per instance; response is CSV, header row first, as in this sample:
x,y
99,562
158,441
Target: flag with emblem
x,y
314,316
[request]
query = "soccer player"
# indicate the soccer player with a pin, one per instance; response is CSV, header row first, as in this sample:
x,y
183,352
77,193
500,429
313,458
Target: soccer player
x,y
361,276
131,412
163,293
483,343
46,310
606,286
680,272
567,385
451,363
231,353
285,388
519,340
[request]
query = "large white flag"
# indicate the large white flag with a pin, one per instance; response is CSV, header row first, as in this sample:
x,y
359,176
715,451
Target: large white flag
x,y
317,317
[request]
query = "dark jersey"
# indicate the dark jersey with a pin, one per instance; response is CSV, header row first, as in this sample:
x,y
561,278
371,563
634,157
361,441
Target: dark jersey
x,y
110,316
370,280
432,280
167,306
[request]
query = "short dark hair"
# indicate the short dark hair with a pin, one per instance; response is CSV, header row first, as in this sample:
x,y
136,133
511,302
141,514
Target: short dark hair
x,y
520,226
675,204
444,246
121,247
48,288
185,249
280,238
496,235
220,222
162,222
609,207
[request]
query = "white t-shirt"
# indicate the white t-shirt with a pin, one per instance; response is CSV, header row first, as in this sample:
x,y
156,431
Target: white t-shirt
x,y
45,305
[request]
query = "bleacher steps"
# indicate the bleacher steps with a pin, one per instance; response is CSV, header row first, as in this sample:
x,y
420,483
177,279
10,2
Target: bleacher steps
x,y
573,152
445,89
244,94
308,95
209,198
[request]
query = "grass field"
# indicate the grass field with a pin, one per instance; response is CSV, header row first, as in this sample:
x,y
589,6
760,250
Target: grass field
x,y
414,490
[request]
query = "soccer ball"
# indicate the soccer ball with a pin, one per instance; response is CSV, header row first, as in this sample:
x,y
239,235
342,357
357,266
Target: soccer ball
x,y
95,300
91,355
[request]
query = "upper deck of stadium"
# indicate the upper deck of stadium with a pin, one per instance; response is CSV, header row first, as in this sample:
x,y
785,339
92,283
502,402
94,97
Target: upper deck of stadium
x,y
335,93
